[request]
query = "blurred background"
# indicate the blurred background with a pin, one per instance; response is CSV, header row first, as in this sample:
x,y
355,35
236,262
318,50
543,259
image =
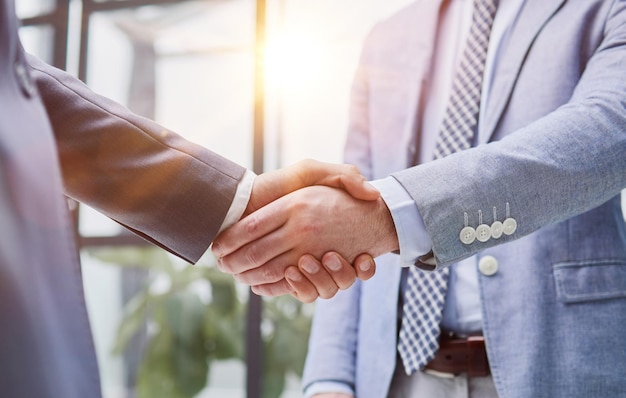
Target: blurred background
x,y
264,83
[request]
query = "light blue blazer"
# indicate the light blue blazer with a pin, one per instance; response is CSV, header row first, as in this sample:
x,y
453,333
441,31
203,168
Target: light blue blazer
x,y
555,312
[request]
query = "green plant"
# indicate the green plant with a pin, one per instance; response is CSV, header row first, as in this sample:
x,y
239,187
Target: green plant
x,y
188,332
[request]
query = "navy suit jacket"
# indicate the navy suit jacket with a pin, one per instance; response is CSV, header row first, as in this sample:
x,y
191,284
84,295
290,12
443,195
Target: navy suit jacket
x,y
58,138
554,313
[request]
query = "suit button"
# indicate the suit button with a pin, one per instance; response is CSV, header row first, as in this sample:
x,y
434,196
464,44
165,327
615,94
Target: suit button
x,y
483,232
497,229
488,265
510,226
467,235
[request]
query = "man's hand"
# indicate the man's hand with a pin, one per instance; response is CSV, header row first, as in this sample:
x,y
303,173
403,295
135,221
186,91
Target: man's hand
x,y
313,220
272,185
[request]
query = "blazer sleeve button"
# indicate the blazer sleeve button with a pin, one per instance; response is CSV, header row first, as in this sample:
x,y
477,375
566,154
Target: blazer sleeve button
x,y
467,235
510,226
483,233
497,228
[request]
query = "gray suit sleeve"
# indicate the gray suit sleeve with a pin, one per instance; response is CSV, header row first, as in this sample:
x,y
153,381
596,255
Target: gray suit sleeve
x,y
561,165
170,191
331,356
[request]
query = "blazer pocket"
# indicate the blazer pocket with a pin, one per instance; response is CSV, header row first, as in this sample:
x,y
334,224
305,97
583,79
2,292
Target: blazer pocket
x,y
590,280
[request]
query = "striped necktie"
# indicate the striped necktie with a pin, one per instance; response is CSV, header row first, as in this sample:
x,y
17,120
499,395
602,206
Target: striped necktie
x,y
426,291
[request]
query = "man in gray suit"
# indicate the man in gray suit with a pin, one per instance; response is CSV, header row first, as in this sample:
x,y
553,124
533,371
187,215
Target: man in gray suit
x,y
530,215
58,138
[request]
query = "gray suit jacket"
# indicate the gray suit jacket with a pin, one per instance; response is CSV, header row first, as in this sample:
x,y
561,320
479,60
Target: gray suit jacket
x,y
58,138
554,313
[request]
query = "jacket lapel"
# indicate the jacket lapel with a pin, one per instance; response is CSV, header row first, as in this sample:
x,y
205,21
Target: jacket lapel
x,y
533,17
417,53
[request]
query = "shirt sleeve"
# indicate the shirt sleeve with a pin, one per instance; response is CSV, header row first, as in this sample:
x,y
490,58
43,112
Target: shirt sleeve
x,y
240,201
327,387
238,206
413,239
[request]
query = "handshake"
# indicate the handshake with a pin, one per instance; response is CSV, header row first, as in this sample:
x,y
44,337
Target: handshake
x,y
308,230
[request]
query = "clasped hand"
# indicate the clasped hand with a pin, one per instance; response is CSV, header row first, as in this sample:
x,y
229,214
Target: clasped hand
x,y
305,242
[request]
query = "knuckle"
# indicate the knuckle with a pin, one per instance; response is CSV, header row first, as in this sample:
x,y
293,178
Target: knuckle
x,y
352,169
252,225
270,274
245,278
252,255
223,265
309,229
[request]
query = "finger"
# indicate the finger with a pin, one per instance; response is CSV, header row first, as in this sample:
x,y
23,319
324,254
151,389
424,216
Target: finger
x,y
358,187
343,176
249,229
279,288
303,289
270,186
365,266
270,272
256,254
339,269
318,276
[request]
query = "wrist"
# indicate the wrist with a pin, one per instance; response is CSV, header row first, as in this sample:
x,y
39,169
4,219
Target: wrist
x,y
387,237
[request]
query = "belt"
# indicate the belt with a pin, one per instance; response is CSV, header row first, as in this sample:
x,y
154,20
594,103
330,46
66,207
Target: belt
x,y
460,355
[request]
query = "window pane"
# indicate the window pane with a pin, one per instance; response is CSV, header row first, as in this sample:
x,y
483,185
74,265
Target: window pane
x,y
190,67
38,40
33,8
194,63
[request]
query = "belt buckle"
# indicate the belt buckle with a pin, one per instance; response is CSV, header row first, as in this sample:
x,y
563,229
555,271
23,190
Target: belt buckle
x,y
436,373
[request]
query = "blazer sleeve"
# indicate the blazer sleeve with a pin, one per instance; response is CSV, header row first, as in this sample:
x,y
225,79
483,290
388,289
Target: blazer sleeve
x,y
166,189
561,165
331,356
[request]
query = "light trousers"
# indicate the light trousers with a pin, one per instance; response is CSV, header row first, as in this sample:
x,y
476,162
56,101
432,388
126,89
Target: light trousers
x,y
425,385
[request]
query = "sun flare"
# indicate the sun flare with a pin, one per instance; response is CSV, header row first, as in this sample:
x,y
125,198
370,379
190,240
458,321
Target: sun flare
x,y
292,60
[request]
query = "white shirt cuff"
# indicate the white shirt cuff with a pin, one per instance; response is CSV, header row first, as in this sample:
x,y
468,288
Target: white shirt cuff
x,y
321,387
413,239
238,206
240,201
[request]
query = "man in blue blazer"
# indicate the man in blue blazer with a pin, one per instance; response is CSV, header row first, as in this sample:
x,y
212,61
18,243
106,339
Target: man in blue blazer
x,y
550,153
553,303
58,138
